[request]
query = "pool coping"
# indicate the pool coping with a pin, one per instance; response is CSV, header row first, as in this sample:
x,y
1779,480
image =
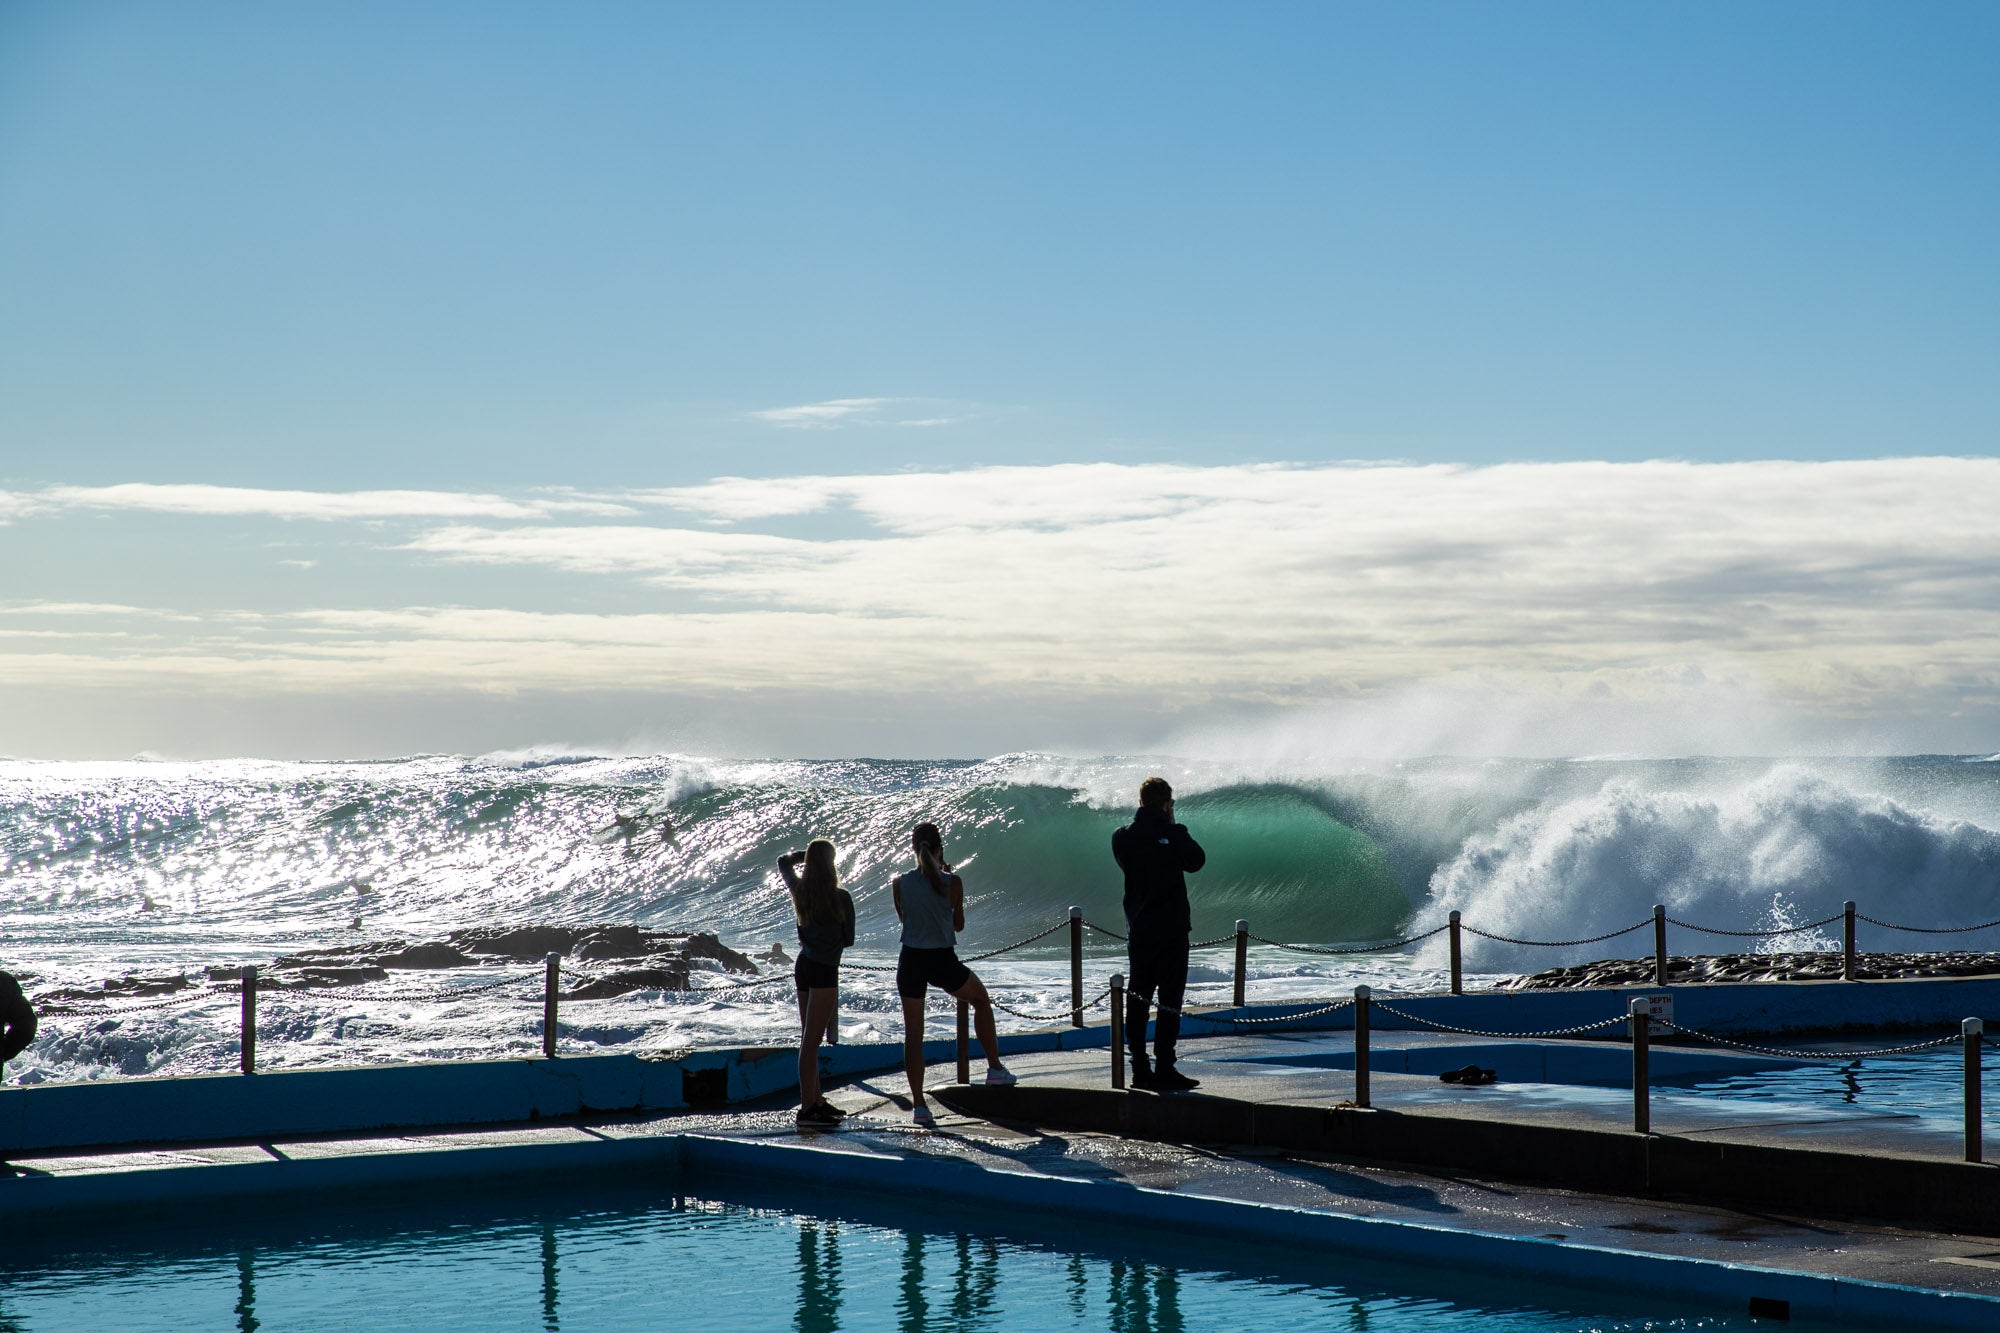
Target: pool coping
x,y
302,1170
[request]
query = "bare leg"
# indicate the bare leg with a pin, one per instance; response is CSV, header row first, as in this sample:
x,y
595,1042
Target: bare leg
x,y
818,1007
913,1047
973,992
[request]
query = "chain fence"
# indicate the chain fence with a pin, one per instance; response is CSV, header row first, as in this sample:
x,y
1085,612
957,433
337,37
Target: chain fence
x,y
1577,1030
1926,930
1802,1053
97,1007
1759,934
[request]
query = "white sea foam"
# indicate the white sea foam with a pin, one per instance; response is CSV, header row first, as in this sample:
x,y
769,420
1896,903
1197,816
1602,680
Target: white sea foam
x,y
1780,851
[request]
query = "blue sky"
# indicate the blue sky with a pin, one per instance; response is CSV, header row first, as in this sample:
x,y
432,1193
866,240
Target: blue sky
x,y
570,256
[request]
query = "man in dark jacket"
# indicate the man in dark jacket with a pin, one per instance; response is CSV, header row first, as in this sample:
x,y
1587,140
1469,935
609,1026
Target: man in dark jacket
x,y
1156,855
17,1018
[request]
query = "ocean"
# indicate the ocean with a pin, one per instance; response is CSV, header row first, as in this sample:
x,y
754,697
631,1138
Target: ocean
x,y
154,868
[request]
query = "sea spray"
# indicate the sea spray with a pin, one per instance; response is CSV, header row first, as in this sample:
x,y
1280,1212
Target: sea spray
x,y
164,868
1771,855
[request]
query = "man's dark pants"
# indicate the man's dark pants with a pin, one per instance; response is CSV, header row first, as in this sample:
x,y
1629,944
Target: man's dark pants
x,y
1162,966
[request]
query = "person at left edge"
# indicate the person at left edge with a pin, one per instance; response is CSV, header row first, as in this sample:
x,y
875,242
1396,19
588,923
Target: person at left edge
x,y
826,926
17,1018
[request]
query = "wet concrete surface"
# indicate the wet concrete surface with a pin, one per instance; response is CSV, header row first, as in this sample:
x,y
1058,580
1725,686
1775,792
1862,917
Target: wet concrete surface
x,y
879,1124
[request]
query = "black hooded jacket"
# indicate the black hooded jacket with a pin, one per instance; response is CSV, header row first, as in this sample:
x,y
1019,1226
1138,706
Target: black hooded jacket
x,y
1156,856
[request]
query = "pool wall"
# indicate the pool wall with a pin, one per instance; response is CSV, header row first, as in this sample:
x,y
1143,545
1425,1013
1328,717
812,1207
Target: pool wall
x,y
711,1165
1844,1301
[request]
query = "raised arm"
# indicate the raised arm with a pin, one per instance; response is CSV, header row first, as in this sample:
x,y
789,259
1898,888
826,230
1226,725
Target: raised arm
x,y
787,867
957,903
1188,854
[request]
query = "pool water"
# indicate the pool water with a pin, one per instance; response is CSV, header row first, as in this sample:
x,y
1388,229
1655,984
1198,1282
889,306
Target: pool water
x,y
533,1257
1929,1084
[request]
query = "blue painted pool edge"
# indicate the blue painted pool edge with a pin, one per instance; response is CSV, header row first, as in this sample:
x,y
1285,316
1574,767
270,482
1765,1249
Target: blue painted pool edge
x,y
1835,1299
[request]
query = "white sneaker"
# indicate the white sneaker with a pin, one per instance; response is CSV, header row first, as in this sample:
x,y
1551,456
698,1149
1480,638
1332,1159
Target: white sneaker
x,y
921,1117
996,1077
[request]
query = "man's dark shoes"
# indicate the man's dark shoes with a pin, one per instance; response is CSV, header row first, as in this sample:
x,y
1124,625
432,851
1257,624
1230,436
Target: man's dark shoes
x,y
1142,1077
1169,1079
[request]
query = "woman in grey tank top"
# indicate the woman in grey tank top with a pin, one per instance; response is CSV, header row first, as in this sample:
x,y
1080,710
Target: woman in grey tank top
x,y
930,902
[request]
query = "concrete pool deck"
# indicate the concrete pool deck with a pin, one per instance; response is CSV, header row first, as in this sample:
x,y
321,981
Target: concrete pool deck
x,y
1537,1176
1829,1161
1857,1272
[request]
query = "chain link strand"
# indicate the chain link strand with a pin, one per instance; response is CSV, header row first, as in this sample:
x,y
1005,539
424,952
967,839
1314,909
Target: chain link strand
x,y
1059,1014
1925,930
1759,934
1843,1056
1333,1008
1554,944
1360,948
1476,1032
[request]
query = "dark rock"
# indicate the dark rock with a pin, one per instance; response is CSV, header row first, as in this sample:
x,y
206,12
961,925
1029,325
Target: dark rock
x,y
522,943
119,988
339,955
704,945
610,942
1742,967
665,974
308,978
436,953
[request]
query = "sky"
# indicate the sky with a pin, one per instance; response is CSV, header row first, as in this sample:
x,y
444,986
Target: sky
x,y
1358,379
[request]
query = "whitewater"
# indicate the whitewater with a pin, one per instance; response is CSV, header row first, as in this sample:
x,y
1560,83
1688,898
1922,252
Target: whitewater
x,y
153,868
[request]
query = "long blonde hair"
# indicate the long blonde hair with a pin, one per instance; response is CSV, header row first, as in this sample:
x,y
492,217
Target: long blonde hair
x,y
929,845
819,884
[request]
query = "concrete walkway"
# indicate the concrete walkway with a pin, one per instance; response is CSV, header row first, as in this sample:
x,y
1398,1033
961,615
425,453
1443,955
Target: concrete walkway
x,y
52,1186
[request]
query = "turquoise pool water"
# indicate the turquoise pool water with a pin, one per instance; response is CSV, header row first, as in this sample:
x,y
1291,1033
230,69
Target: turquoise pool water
x,y
603,1258
1929,1084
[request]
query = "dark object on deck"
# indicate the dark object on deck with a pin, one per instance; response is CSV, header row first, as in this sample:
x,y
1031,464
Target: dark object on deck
x,y
1472,1076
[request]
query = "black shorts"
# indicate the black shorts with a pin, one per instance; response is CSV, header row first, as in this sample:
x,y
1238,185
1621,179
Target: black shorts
x,y
918,968
810,975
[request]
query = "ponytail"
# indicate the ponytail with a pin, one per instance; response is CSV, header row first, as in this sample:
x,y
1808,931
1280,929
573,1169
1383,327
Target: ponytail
x,y
929,845
930,860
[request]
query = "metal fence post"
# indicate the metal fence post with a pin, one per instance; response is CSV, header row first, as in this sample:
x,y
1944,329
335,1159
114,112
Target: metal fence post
x,y
551,978
1361,994
1076,967
1847,941
249,1042
1457,974
1970,1032
964,1042
1242,960
1642,1110
1118,1029
1659,945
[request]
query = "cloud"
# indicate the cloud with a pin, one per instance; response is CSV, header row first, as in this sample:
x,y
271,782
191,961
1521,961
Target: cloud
x,y
823,416
1859,590
246,502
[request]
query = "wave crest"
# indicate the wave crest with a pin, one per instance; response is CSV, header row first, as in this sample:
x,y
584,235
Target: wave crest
x,y
1785,849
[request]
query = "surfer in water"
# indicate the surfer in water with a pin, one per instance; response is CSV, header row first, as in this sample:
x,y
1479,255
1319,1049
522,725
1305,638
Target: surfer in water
x,y
930,902
826,926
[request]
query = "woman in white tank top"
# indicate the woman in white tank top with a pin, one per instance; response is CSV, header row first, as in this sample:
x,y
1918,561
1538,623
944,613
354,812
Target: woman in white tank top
x,y
930,902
